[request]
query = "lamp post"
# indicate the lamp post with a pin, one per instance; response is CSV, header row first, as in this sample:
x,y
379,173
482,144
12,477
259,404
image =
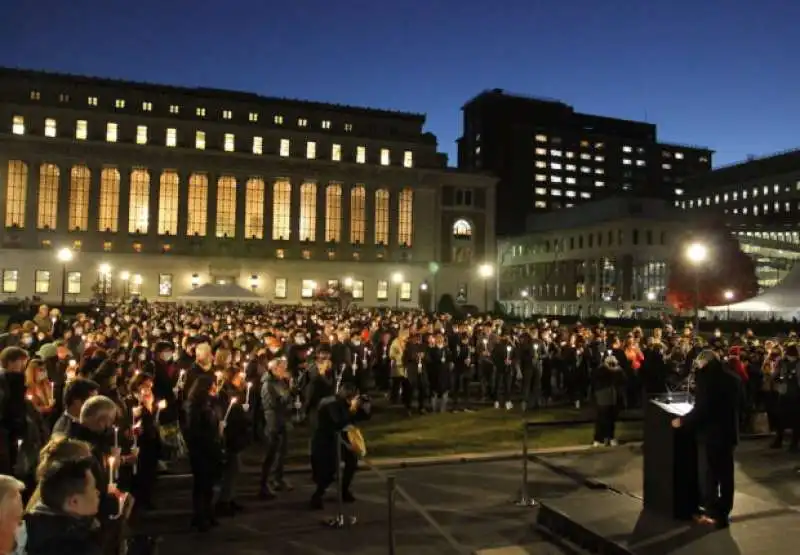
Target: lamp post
x,y
253,282
125,277
524,294
697,253
729,296
64,256
486,271
103,278
397,279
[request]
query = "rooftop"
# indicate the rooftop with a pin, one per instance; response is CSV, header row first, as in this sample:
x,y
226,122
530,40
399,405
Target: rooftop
x,y
787,161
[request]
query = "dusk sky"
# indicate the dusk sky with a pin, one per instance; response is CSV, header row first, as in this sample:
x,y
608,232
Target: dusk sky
x,y
706,73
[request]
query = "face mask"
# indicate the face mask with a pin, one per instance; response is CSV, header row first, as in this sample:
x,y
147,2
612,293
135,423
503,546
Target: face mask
x,y
166,356
356,343
300,340
143,357
27,340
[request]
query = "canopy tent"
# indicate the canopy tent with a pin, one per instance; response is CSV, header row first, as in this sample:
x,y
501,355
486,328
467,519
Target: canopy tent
x,y
781,301
218,292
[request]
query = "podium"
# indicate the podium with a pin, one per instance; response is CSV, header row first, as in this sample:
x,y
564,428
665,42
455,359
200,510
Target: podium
x,y
671,480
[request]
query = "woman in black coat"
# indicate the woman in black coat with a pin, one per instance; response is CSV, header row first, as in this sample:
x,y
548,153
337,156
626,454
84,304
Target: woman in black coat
x,y
204,439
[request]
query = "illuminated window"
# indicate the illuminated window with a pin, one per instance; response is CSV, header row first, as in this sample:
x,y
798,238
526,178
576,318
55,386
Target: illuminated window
x,y
174,109
172,137
285,148
10,281
41,282
139,202
679,155
348,127
640,163
111,132
119,103
381,217
541,164
141,134
200,140
227,114
302,122
280,288
147,106
252,116
570,180
168,198
333,213
556,153
541,138
308,212
358,289
254,208
307,288
200,112
81,129
229,144
73,283
280,254
541,151
311,150
361,155
36,95
626,148
281,210
197,205
108,218
540,177
92,101
164,285
627,161
405,221
358,215
666,166
540,204
49,127
79,184
405,291
336,153
382,292
540,191
326,124
258,145
48,196
278,119
16,193
462,229
555,179
226,207
385,157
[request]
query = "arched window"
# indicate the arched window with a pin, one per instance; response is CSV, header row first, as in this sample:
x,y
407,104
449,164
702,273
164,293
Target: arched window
x,y
108,219
381,217
79,183
405,219
48,196
281,210
254,209
462,229
333,213
308,212
16,193
197,206
358,215
226,207
139,216
168,204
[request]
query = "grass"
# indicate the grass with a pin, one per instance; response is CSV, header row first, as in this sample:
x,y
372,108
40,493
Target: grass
x,y
392,434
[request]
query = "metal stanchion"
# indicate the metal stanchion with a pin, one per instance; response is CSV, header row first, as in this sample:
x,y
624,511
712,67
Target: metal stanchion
x,y
390,489
340,520
525,500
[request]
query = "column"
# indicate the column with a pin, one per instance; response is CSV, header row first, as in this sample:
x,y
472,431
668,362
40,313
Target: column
x,y
369,212
62,211
320,212
154,194
183,202
346,212
32,199
241,207
95,173
269,184
211,230
294,210
394,218
124,200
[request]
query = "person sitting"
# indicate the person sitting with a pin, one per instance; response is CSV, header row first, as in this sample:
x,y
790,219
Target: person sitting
x,y
64,519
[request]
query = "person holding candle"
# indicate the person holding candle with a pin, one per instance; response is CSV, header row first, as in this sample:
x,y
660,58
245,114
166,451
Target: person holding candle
x,y
204,439
140,405
276,398
39,389
235,437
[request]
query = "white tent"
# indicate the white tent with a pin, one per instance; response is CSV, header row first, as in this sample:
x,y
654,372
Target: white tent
x,y
228,292
781,301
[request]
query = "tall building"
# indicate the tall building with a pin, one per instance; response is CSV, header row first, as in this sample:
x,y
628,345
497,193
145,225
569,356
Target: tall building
x,y
168,188
548,156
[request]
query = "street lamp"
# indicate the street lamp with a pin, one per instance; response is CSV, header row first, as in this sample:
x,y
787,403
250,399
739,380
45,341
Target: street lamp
x,y
697,253
104,277
64,256
348,282
729,296
397,279
486,271
125,276
254,282
651,296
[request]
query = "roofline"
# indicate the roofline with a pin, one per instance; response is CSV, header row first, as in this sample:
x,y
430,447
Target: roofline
x,y
207,92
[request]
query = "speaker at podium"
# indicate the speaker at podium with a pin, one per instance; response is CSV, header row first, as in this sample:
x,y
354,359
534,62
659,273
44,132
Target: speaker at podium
x,y
671,480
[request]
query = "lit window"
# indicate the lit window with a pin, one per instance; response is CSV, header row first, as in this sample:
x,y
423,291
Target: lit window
x,y
599,183
172,137
336,153
36,95
285,147
10,281
111,132
599,158
139,202
80,182
81,129
541,152
73,283
570,180
226,207
640,163
277,119
197,206
381,217
227,114
108,217
280,287
49,127
555,166
570,167
326,124
168,203
678,192
405,217
141,134
281,211
92,101
200,112
555,192
254,209
555,179
119,103
679,155
361,155
570,154
16,193
348,127
42,282
63,97
382,292
571,194
252,116
48,196
626,148
408,159
776,189
174,109
358,215
540,191
585,156
666,166
541,164
308,212
541,138
18,125
258,145
584,194
599,171
627,161
540,204
164,285
384,157
540,177
333,213
307,288
302,122
599,145
585,169
147,106
311,150
556,153
405,291
229,144
200,140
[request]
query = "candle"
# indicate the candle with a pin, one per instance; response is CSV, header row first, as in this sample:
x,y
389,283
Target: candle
x,y
53,390
249,387
116,436
228,412
111,476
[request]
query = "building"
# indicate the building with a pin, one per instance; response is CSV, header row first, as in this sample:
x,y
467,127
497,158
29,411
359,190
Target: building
x,y
603,258
174,187
759,201
548,156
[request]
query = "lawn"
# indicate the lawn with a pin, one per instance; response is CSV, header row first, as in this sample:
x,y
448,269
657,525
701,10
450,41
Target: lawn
x,y
393,434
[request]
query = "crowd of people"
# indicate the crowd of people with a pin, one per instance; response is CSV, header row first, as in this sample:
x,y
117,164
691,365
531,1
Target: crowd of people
x,y
94,406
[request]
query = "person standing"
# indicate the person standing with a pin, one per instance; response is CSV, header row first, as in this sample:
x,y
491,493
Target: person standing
x,y
12,405
715,420
276,398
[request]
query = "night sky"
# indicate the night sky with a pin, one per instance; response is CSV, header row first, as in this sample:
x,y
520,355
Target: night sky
x,y
705,72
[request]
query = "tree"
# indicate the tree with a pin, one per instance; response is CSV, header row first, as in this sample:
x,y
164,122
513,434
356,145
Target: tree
x,y
727,268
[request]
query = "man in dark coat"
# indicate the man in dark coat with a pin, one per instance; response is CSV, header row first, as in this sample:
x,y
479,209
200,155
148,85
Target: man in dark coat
x,y
719,397
12,405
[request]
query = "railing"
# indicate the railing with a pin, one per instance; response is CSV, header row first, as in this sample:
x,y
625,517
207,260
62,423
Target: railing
x,y
393,489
